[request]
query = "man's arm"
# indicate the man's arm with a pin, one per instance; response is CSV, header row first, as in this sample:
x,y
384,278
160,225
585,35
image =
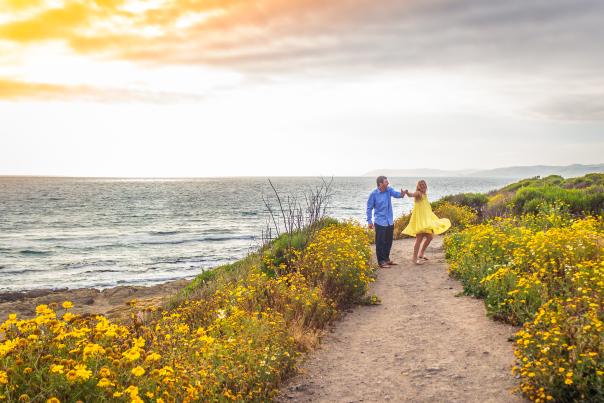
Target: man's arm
x,y
395,194
370,204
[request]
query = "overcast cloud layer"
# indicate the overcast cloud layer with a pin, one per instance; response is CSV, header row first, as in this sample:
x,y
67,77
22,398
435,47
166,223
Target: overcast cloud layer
x,y
551,51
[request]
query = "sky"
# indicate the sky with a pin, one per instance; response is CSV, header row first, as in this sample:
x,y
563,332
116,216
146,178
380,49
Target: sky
x,y
185,88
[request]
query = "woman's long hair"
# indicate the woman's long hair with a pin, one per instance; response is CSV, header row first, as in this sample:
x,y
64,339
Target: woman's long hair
x,y
420,190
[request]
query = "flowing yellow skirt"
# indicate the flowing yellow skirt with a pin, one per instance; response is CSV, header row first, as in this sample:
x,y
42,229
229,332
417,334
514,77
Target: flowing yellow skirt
x,y
423,220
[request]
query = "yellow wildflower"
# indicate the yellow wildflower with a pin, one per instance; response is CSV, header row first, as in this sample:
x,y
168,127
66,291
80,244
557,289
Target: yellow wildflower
x,y
138,371
82,372
104,382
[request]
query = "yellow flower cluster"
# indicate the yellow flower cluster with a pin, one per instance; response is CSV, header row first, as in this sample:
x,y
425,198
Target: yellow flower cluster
x,y
337,261
236,343
547,274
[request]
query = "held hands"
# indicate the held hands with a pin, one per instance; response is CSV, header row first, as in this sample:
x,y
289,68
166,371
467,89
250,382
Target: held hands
x,y
370,226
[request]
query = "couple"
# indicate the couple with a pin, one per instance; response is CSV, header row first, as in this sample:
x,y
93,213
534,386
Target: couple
x,y
422,225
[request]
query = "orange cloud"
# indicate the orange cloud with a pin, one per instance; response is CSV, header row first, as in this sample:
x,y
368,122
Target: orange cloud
x,y
10,89
13,90
50,24
102,25
16,5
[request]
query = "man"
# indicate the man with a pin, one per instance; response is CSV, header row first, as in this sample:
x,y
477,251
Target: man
x,y
379,202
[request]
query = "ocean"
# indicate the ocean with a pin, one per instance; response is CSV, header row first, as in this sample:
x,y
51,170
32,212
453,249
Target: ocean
x,y
79,232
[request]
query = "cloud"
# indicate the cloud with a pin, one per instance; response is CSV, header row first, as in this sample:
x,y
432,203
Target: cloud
x,y
244,34
515,42
576,107
57,23
14,90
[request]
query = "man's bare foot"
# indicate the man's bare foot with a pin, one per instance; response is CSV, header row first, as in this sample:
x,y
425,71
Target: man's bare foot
x,y
419,262
391,263
384,265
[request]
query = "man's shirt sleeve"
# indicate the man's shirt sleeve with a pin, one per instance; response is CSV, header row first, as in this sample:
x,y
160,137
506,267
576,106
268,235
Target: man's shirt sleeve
x,y
370,204
394,193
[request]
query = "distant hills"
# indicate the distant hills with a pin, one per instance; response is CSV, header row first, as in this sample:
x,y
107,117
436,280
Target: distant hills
x,y
508,172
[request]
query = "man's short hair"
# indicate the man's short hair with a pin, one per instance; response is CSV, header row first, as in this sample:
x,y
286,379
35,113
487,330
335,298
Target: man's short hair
x,y
380,179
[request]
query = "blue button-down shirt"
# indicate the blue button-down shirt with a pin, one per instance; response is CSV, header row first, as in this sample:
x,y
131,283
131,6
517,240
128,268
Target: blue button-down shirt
x,y
381,204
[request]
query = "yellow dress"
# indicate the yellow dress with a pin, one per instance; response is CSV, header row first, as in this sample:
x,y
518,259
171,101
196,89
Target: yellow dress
x,y
423,220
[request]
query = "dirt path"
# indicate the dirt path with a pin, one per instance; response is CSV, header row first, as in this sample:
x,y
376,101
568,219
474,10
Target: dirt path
x,y
422,344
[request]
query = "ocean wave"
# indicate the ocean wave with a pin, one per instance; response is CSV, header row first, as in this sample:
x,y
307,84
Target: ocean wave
x,y
84,264
183,259
6,270
249,213
103,271
164,232
34,252
212,238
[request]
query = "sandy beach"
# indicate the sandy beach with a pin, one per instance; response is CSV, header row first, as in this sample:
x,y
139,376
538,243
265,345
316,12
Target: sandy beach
x,y
111,302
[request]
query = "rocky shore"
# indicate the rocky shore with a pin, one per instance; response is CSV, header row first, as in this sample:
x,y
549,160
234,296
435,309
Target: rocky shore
x,y
111,302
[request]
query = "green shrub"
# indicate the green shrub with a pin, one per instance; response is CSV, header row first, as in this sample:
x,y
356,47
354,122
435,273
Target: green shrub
x,y
589,180
528,199
460,216
476,201
499,205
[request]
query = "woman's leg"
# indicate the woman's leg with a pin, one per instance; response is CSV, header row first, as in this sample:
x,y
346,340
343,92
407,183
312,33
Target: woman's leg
x,y
418,240
427,239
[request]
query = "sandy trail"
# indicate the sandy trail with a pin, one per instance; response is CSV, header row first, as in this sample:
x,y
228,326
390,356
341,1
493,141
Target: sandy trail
x,y
422,344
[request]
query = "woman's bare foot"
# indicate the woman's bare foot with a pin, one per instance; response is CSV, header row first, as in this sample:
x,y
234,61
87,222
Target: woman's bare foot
x,y
424,258
419,262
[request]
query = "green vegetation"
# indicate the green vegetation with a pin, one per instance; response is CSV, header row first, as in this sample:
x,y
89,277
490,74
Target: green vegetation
x,y
584,195
475,201
537,258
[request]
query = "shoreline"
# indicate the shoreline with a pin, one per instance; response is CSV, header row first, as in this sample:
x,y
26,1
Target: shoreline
x,y
111,302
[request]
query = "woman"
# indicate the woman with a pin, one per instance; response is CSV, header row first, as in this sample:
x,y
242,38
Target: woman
x,y
423,223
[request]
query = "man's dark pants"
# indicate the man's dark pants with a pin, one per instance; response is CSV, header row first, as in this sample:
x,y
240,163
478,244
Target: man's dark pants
x,y
383,242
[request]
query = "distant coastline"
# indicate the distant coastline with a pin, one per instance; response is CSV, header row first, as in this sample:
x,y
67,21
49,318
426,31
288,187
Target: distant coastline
x,y
514,172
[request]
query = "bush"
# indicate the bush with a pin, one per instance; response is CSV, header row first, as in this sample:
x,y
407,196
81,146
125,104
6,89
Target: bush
x,y
343,275
480,251
528,199
541,267
498,205
476,201
552,180
277,258
589,180
460,216
560,354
